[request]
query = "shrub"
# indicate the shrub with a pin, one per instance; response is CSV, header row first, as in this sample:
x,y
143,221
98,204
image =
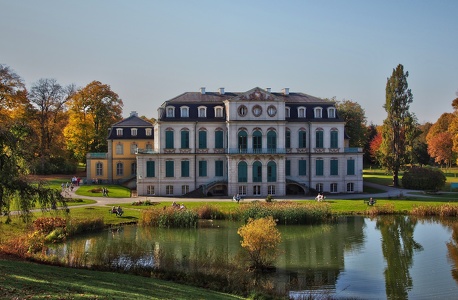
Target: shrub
x,y
428,179
269,198
46,225
169,217
209,212
260,238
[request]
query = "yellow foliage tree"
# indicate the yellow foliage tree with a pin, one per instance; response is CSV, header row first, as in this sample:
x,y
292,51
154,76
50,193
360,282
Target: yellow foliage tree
x,y
260,237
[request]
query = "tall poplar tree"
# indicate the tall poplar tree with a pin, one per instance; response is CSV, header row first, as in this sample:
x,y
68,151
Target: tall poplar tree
x,y
399,127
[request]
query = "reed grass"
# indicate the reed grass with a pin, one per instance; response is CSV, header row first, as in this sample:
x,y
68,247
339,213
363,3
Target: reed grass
x,y
169,217
445,210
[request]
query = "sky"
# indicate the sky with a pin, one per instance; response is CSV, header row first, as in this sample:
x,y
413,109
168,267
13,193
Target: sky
x,y
151,51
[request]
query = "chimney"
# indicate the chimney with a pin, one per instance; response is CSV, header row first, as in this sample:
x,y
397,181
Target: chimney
x,y
285,91
133,113
268,90
202,90
221,91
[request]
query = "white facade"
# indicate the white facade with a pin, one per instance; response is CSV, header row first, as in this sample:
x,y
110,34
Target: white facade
x,y
254,143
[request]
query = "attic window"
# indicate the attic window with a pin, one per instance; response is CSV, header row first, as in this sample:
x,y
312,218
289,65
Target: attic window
x,y
170,112
301,112
202,112
218,112
331,112
133,131
149,131
318,113
119,131
184,112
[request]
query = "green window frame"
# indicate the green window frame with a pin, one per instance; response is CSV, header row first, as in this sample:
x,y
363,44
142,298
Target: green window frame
x,y
271,140
257,171
302,139
319,167
184,139
257,140
219,168
169,139
319,138
287,167
185,168
242,172
271,171
242,140
150,168
219,139
302,167
334,167
287,139
202,168
334,139
350,167
202,139
169,168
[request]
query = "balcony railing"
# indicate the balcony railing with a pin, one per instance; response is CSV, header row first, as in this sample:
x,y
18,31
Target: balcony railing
x,y
257,151
353,150
97,155
146,151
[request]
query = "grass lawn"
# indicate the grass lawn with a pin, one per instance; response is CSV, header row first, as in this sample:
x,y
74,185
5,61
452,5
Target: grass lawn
x,y
115,191
26,280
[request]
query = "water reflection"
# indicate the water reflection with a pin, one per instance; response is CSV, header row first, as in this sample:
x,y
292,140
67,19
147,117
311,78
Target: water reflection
x,y
385,257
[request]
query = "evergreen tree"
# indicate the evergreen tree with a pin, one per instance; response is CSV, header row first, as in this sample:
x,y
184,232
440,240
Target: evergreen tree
x,y
399,128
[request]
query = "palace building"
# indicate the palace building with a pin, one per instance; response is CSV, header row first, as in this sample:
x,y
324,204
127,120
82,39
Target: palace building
x,y
253,143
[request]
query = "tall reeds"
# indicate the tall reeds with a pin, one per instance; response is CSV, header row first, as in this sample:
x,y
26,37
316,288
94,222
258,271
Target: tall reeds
x,y
169,217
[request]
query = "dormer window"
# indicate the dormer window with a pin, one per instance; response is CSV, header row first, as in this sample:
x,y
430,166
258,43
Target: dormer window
x,y
331,112
318,113
218,112
287,112
202,112
119,131
301,112
149,131
170,112
184,111
133,131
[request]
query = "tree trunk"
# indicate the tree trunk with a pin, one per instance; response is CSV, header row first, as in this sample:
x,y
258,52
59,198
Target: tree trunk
x,y
395,179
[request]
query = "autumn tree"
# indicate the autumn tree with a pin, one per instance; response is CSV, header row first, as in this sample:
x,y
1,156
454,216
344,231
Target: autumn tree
x,y
453,128
260,237
13,95
92,111
49,99
355,122
399,128
420,146
440,147
375,144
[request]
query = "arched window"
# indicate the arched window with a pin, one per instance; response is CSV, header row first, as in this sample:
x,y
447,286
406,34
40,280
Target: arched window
x,y
331,112
202,112
119,149
170,112
119,169
169,139
184,111
242,140
288,138
334,138
301,112
287,112
218,112
257,171
271,171
271,140
257,141
202,139
318,113
219,139
242,172
99,169
185,138
319,138
302,139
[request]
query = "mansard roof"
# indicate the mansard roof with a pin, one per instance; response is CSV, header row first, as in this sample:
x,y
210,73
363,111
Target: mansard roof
x,y
133,121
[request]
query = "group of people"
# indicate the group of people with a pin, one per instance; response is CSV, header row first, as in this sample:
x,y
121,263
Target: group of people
x,y
320,197
105,192
237,198
118,211
178,206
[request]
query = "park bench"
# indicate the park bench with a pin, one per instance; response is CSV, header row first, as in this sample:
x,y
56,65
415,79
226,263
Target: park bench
x,y
453,185
368,202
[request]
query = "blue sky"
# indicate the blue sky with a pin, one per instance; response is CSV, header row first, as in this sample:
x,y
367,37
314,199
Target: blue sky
x,y
152,51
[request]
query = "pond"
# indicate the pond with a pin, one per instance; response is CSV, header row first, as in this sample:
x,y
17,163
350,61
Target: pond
x,y
394,257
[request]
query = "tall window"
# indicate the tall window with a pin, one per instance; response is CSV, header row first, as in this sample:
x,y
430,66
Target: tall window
x,y
119,149
319,187
242,137
169,189
202,112
133,148
202,168
302,167
202,139
318,113
334,138
169,139
119,169
302,139
271,140
257,140
271,189
257,171
219,139
301,112
170,112
184,139
149,147
150,189
184,111
351,167
150,168
287,167
99,169
287,138
169,168
287,112
242,172
184,189
185,168
350,187
319,138
133,168
333,187
219,168
271,171
319,167
242,190
334,166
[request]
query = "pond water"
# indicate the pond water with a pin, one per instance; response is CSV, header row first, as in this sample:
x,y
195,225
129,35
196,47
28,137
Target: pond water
x,y
387,257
